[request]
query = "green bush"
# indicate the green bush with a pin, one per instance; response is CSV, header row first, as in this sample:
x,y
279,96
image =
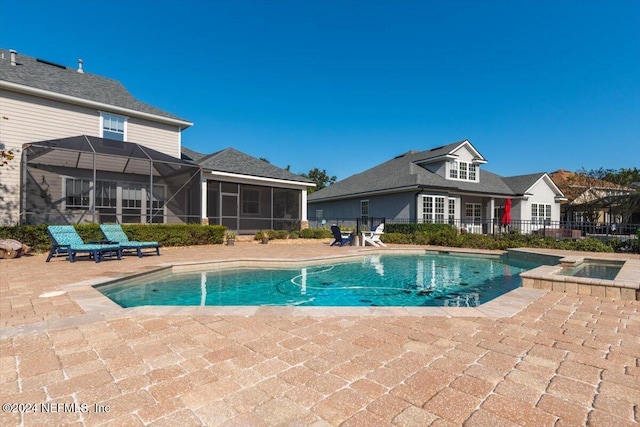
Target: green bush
x,y
279,234
416,228
315,233
167,235
398,238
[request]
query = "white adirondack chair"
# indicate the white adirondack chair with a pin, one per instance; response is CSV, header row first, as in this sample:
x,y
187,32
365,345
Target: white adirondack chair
x,y
373,237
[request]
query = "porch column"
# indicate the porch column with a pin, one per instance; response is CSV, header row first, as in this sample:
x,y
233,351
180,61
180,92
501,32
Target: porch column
x,y
304,222
204,219
492,205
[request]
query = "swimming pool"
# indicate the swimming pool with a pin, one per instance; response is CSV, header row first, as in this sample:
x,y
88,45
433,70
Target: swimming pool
x,y
375,280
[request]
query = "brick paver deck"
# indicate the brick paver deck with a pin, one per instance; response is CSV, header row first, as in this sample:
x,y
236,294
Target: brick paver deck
x,y
556,360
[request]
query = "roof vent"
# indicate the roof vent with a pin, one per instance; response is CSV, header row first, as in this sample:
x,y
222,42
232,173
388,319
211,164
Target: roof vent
x,y
80,70
437,148
13,57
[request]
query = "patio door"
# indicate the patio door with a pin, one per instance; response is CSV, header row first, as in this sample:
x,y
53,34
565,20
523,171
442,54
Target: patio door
x,y
229,206
473,218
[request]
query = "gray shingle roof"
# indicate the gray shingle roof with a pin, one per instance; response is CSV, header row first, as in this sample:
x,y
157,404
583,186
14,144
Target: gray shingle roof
x,y
403,173
233,161
522,183
34,73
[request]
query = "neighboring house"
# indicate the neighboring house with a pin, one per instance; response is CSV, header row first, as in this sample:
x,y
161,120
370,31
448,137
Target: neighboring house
x,y
592,200
87,151
445,184
248,194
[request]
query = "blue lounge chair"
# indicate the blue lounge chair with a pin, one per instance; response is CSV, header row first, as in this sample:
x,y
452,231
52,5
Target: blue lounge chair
x,y
114,233
340,239
66,240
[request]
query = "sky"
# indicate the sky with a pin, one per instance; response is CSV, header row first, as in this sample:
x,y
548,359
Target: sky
x,y
535,86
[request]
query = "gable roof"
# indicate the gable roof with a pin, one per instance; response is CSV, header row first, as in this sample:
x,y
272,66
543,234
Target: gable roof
x,y
404,173
448,151
580,188
521,183
233,161
54,79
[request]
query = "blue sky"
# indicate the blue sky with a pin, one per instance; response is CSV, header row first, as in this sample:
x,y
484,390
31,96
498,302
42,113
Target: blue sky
x,y
345,85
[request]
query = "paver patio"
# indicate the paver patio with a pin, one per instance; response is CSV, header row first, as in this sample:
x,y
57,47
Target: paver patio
x,y
556,360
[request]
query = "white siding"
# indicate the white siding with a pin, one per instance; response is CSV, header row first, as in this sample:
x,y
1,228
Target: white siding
x,y
464,154
542,193
26,118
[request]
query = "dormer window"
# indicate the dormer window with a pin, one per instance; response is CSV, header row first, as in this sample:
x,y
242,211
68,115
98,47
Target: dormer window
x,y
453,169
463,171
113,127
473,172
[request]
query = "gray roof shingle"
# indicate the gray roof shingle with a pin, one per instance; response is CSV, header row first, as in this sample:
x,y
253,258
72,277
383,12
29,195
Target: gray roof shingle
x,y
39,74
403,173
233,161
521,183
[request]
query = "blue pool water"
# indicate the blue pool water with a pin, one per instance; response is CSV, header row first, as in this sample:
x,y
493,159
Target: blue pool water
x,y
382,280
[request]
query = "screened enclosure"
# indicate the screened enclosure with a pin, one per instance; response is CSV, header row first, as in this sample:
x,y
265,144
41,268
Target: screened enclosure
x,y
90,179
249,208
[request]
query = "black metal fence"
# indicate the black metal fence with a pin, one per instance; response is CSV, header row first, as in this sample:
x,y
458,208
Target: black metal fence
x,y
554,229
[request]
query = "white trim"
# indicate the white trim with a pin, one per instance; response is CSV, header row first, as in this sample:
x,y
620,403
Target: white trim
x,y
247,179
478,158
549,182
203,198
93,104
125,121
303,210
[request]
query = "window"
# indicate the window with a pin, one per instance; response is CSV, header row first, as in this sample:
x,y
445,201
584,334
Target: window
x,y
116,201
473,213
106,194
250,201
157,212
364,211
463,171
540,212
131,203
453,169
77,193
433,208
452,211
473,176
113,127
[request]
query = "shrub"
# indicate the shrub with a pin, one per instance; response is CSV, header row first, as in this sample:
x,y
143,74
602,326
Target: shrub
x,y
315,233
415,228
167,235
279,234
398,238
